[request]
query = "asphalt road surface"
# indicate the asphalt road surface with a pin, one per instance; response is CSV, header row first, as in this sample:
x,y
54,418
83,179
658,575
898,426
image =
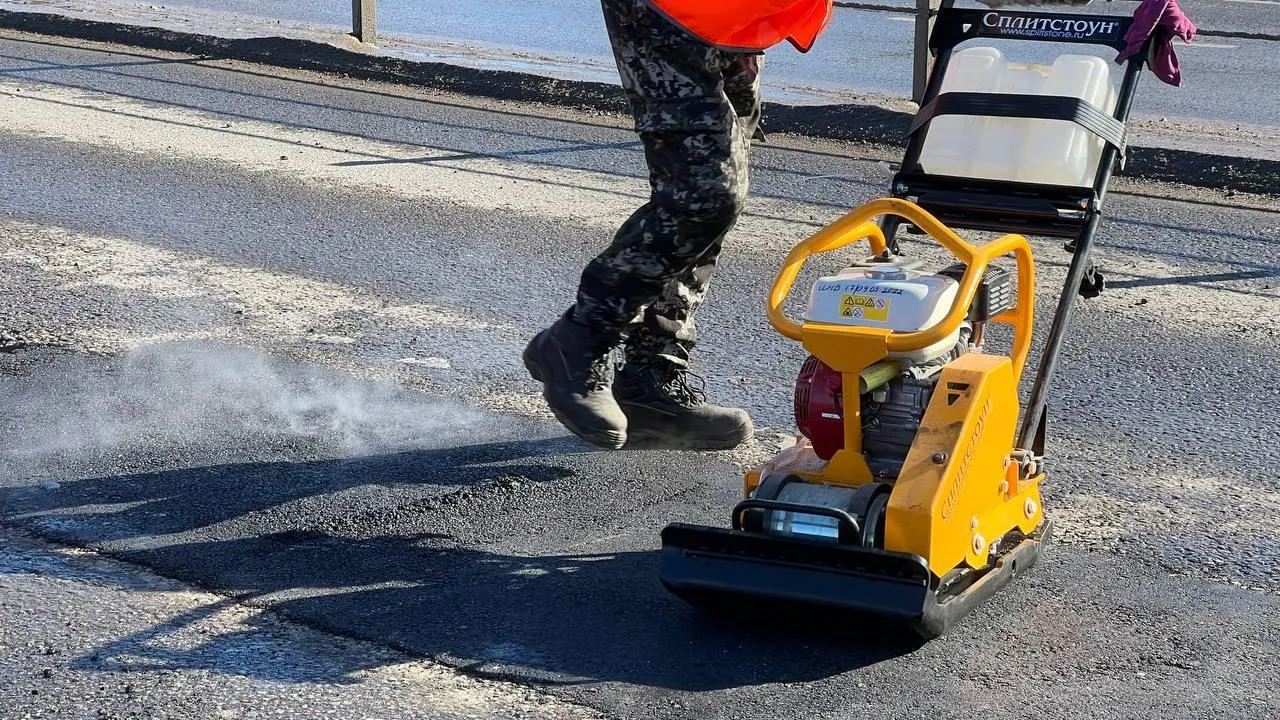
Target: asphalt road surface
x,y
261,336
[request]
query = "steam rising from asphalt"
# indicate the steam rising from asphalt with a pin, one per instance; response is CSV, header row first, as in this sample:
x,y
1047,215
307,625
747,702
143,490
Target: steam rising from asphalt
x,y
190,399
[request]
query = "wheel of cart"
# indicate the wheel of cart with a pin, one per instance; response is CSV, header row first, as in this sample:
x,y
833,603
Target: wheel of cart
x,y
1010,147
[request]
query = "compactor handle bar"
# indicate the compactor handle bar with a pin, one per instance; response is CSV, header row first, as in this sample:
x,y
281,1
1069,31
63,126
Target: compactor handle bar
x,y
857,225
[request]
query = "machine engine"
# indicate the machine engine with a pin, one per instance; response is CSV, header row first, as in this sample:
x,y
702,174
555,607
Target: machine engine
x,y
895,393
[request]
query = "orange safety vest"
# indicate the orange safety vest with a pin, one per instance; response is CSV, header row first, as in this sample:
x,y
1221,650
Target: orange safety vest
x,y
749,25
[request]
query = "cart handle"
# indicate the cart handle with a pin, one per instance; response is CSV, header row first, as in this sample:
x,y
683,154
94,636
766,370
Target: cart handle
x,y
856,226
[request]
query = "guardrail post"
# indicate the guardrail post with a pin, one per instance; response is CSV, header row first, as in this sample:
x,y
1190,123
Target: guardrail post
x,y
923,61
364,20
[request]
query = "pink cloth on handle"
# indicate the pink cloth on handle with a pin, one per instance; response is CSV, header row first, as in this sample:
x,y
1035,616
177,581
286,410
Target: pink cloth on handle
x,y
1165,19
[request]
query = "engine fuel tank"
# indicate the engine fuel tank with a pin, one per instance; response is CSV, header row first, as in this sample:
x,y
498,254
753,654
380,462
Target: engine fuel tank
x,y
894,298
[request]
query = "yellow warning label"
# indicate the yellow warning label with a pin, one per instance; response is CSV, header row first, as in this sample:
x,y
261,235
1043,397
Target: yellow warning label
x,y
864,307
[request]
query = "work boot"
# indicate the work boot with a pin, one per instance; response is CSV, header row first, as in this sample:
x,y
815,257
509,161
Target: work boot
x,y
663,411
577,382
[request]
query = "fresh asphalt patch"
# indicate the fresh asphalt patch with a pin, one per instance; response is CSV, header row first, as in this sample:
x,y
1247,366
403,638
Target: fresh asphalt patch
x,y
500,546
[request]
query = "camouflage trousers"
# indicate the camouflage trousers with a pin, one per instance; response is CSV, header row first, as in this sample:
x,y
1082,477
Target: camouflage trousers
x,y
696,111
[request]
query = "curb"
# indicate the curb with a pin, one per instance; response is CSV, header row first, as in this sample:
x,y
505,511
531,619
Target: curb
x,y
868,124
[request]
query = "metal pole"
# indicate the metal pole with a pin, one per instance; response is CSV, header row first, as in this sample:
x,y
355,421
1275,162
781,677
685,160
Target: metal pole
x,y
1038,401
364,20
924,25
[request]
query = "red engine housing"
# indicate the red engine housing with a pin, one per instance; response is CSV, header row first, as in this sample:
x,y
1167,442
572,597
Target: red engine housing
x,y
819,407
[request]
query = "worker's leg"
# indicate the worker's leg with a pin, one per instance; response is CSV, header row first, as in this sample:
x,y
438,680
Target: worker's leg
x,y
653,388
696,153
668,323
697,161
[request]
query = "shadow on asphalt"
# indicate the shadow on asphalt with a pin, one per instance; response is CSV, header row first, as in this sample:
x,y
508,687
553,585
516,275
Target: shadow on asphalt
x,y
550,619
558,620
176,501
246,652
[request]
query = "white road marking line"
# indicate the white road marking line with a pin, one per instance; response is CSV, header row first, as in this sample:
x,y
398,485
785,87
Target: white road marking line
x,y
1204,45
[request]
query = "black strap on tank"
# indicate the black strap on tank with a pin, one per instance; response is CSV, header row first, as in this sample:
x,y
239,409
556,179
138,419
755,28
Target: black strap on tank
x,y
1043,107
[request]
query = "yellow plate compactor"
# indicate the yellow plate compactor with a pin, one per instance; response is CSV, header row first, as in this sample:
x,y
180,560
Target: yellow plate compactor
x,y
912,493
872,508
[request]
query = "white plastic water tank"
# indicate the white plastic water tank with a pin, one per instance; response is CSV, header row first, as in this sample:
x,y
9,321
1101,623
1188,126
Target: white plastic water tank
x,y
1027,150
998,152
948,146
1060,152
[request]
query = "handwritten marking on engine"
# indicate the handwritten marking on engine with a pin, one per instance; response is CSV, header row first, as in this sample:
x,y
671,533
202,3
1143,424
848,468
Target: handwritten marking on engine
x,y
857,287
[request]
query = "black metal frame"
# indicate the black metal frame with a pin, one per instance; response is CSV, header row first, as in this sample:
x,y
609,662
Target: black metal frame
x,y
1022,208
